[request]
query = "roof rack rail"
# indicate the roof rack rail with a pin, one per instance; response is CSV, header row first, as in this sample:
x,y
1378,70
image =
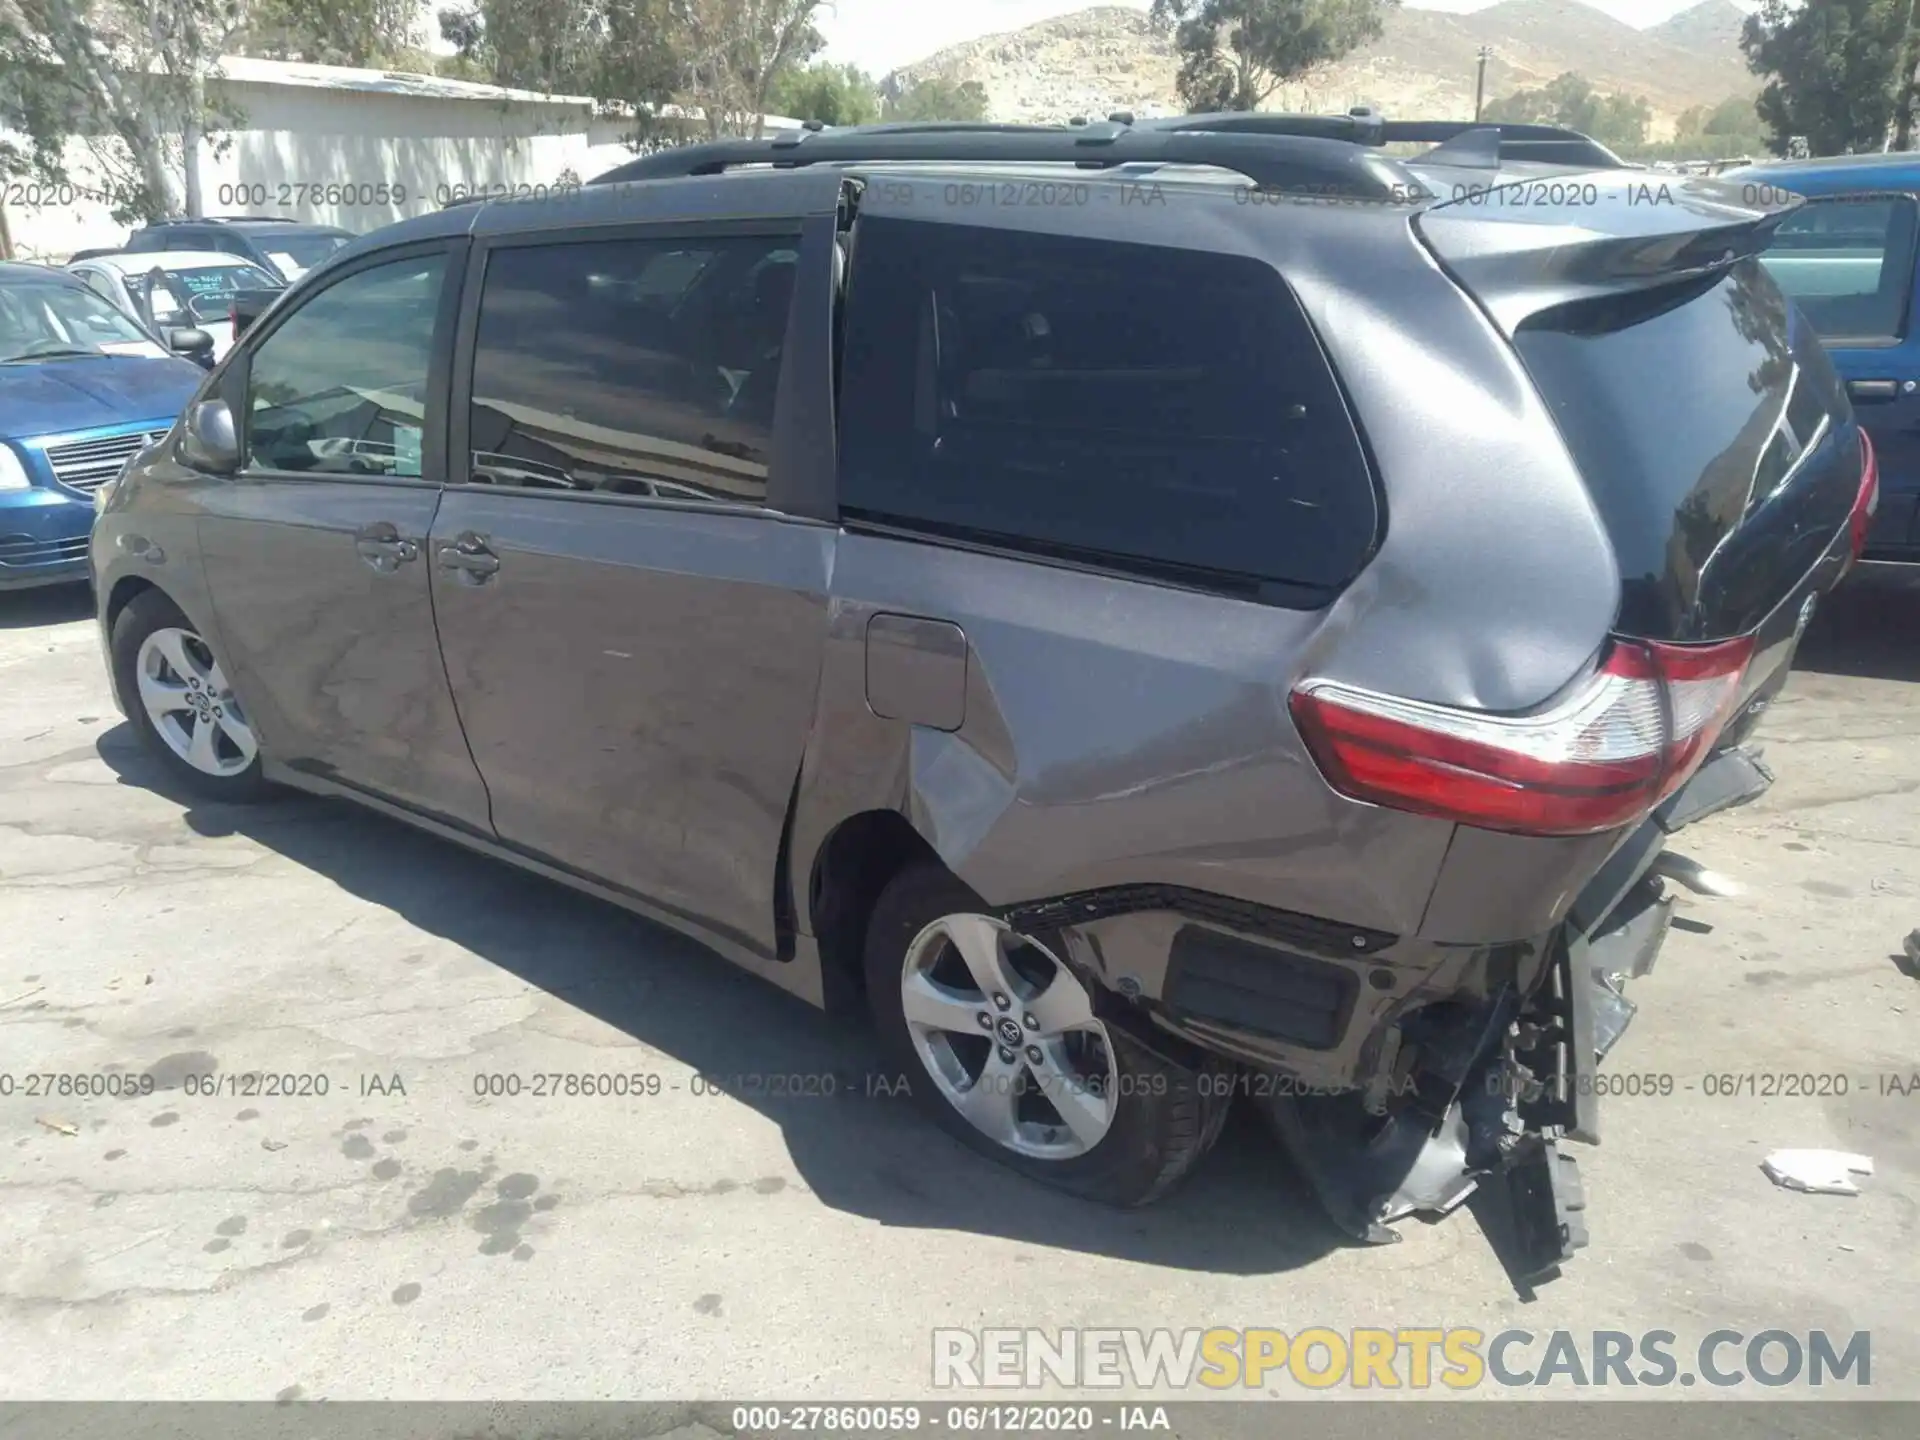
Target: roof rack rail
x,y
1545,144
1320,153
229,219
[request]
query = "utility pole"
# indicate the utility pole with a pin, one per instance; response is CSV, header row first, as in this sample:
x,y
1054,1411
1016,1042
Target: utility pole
x,y
1903,86
1480,80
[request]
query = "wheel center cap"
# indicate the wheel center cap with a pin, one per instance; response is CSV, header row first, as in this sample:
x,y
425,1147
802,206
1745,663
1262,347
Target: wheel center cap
x,y
1010,1033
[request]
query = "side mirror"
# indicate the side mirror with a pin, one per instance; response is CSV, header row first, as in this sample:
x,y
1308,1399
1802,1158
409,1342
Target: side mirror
x,y
192,342
208,442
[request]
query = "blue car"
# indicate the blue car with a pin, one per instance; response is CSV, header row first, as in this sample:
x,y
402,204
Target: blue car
x,y
83,388
1848,259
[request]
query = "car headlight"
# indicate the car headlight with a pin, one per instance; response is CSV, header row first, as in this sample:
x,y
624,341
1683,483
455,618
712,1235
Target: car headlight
x,y
13,475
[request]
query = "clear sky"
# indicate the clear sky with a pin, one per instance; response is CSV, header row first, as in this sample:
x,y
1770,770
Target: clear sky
x,y
879,35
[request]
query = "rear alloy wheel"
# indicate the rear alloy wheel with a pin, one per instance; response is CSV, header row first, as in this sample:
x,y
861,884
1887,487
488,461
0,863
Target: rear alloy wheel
x,y
178,698
1001,1043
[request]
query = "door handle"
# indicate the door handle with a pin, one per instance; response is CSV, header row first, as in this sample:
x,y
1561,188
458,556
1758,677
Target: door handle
x,y
469,557
382,547
1873,389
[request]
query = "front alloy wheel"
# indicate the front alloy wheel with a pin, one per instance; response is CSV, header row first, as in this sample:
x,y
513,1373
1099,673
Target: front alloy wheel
x,y
176,693
190,705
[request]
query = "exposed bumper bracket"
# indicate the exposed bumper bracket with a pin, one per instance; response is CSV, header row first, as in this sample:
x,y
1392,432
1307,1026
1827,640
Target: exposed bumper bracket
x,y
1549,1209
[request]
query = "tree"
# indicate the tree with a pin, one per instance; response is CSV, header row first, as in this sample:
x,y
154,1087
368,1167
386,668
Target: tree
x,y
1835,68
1235,53
552,46
933,99
734,50
831,94
376,33
129,78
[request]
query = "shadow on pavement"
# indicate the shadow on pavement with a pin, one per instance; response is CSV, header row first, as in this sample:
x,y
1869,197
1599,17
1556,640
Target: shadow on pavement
x,y
1868,628
45,605
862,1151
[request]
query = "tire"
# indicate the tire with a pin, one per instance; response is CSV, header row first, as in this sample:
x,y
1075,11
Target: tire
x,y
1159,1118
225,766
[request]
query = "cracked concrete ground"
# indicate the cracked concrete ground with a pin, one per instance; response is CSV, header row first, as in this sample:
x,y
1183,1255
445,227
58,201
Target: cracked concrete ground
x,y
404,1236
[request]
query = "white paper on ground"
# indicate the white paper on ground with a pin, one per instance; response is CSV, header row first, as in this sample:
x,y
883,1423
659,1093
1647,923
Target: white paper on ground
x,y
1817,1172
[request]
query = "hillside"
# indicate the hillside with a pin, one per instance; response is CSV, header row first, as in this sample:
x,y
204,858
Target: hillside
x,y
1108,58
1713,25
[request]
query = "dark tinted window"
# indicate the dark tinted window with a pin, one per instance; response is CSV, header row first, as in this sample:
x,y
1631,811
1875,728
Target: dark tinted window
x,y
340,386
1167,409
179,239
1690,409
645,367
1848,263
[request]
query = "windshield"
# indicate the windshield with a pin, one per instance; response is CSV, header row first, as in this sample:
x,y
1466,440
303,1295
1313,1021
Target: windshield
x,y
297,254
64,320
206,290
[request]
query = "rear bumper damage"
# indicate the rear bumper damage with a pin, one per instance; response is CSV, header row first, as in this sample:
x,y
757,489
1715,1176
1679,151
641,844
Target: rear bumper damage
x,y
1494,1101
1404,1077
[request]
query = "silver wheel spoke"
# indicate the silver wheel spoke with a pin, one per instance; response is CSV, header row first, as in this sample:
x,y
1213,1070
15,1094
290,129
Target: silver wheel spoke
x,y
172,647
980,944
932,1005
241,736
989,1102
161,697
1063,1005
200,749
1086,1111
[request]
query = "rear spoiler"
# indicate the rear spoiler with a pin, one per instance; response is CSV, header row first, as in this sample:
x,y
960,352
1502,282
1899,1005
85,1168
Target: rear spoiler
x,y
1561,240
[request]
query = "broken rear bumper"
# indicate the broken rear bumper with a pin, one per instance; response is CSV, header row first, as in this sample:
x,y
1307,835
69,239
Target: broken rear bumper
x,y
1493,1095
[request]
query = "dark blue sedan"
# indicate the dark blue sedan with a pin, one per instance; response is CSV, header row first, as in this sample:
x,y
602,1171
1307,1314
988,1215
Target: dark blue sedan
x,y
83,388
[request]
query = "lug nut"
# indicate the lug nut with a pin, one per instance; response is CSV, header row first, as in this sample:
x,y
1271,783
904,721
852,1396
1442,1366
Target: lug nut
x,y
1002,1002
1007,1056
1033,1053
986,1020
1032,1024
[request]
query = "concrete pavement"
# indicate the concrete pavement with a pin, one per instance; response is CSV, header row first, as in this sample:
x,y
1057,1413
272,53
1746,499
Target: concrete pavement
x,y
408,1234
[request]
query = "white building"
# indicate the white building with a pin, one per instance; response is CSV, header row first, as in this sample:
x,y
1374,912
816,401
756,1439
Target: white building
x,y
354,148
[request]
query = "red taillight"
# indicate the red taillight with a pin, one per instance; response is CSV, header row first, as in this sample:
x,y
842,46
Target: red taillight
x,y
1625,740
1861,520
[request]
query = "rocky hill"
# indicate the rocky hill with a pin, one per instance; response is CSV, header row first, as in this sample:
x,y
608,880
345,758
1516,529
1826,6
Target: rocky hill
x,y
1108,58
1710,27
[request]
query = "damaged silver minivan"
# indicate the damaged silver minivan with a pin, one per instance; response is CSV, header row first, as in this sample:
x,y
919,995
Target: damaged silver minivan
x,y
1158,612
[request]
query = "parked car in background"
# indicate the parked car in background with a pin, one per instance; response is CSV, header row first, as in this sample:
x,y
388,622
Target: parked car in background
x,y
288,248
1848,258
183,287
83,388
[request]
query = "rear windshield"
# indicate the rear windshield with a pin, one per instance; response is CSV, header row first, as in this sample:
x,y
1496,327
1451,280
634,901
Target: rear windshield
x,y
1160,411
1689,409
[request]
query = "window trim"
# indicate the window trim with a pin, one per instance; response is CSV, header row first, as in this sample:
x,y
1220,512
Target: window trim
x,y
779,500
235,377
1878,340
